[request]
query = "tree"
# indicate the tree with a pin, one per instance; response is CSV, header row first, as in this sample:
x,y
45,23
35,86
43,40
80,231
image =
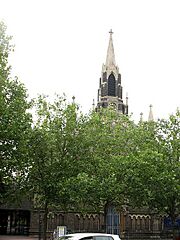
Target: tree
x,y
15,124
166,198
152,174
107,140
55,150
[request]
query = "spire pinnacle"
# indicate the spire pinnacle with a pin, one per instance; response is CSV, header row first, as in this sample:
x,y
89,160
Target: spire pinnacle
x,y
141,117
93,105
150,118
73,99
126,99
110,58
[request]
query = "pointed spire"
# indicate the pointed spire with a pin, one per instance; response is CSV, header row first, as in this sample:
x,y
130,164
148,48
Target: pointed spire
x,y
150,118
141,117
126,99
73,98
93,105
110,58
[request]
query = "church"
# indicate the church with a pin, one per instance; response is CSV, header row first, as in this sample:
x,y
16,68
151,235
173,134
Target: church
x,y
128,223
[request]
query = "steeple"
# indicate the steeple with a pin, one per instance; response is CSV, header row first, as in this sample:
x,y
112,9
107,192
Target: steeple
x,y
150,118
110,90
110,58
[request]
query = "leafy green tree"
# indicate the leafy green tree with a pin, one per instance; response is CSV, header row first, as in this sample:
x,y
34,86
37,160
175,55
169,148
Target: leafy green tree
x,y
152,174
55,150
15,124
166,196
107,140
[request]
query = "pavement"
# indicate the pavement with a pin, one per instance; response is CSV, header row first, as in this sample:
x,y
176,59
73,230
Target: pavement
x,y
6,237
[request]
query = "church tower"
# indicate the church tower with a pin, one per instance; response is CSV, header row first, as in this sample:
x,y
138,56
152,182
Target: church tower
x,y
110,92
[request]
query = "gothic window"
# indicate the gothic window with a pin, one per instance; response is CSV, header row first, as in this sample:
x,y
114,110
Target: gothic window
x,y
133,223
143,223
96,224
138,223
111,85
77,223
112,221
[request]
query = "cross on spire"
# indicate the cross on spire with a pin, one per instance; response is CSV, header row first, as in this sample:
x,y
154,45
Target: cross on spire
x,y
111,32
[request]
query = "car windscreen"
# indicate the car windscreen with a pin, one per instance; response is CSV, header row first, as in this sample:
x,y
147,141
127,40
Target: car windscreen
x,y
66,238
103,238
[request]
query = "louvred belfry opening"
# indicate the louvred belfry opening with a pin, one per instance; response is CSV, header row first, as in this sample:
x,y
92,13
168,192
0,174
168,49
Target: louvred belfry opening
x,y
111,85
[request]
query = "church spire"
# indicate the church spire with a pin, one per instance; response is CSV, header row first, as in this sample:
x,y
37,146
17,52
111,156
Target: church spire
x,y
110,92
110,58
150,118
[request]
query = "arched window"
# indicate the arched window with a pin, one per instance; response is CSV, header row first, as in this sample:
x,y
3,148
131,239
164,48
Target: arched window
x,y
112,221
111,85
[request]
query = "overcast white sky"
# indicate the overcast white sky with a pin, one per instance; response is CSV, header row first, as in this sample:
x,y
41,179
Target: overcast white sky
x,y
62,44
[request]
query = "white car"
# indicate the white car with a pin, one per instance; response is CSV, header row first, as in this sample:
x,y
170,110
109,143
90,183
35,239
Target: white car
x,y
90,236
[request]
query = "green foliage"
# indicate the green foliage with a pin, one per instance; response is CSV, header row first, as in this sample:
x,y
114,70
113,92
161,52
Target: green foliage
x,y
168,139
54,149
152,175
104,144
15,125
5,49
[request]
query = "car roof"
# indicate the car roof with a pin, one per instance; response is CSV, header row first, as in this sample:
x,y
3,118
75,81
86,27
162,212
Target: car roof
x,y
82,235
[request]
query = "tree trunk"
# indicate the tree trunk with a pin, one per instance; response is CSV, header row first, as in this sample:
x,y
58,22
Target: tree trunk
x,y
45,220
105,215
173,219
173,227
